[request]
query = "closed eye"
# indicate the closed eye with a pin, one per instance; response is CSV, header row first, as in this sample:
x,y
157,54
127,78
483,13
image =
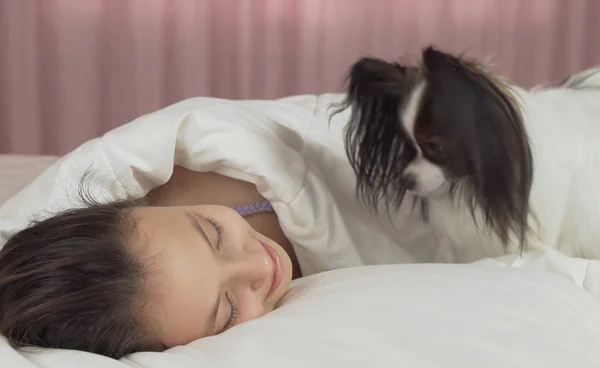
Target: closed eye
x,y
197,220
232,314
219,229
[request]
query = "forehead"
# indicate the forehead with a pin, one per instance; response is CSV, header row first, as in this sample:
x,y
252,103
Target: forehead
x,y
171,239
160,231
183,273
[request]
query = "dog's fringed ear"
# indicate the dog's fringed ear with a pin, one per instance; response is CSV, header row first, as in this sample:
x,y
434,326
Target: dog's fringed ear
x,y
374,138
479,117
376,78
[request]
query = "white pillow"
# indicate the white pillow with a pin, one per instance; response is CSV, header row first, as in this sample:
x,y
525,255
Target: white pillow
x,y
393,316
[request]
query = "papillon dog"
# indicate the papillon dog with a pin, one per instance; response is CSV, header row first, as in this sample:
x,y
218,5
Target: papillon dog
x,y
493,168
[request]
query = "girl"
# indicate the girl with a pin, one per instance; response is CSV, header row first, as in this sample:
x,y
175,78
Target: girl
x,y
231,200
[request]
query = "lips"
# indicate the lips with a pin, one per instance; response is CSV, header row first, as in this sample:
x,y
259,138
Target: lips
x,y
277,268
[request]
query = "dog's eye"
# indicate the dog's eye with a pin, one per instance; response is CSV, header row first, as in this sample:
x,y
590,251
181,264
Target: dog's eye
x,y
433,148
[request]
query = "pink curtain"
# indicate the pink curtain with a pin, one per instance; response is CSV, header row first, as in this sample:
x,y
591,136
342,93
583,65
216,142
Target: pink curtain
x,y
71,70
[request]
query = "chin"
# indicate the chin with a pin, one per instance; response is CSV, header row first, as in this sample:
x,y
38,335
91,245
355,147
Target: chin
x,y
457,143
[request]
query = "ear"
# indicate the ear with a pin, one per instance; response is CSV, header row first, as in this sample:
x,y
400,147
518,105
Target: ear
x,y
376,78
374,139
477,115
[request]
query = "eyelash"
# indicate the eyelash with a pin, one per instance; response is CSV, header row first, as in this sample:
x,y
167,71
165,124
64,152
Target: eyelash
x,y
219,229
233,314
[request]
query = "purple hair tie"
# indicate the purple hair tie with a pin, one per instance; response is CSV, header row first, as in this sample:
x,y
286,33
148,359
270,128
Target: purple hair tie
x,y
251,209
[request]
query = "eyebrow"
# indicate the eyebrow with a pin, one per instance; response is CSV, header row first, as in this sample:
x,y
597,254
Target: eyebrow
x,y
212,318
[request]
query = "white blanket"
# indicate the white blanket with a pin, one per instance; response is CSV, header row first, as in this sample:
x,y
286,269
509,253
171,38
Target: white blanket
x,y
289,148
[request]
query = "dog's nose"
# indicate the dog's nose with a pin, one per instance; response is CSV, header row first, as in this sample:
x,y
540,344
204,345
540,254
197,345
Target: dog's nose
x,y
409,181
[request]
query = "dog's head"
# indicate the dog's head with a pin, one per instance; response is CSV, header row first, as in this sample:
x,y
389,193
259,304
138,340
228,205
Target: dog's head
x,y
444,127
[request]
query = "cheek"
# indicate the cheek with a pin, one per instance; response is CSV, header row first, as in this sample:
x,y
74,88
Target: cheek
x,y
429,176
248,307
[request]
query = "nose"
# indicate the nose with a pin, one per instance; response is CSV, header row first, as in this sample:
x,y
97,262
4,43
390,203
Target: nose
x,y
252,268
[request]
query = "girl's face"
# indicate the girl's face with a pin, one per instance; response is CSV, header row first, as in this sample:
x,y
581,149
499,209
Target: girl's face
x,y
208,270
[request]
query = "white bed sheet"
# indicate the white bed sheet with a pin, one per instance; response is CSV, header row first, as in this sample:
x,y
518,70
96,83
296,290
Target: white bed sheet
x,y
450,316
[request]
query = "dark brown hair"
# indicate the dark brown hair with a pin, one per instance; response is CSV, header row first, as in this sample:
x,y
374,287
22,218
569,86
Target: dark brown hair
x,y
70,281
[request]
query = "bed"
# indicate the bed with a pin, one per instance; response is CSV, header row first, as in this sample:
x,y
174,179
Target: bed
x,y
542,310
